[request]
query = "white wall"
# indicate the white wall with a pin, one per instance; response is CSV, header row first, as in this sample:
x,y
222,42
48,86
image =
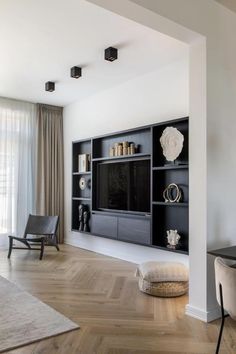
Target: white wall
x,y
218,25
150,98
155,97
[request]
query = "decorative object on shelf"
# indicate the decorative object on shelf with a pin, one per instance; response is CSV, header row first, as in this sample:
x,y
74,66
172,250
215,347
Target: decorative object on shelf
x,y
124,148
110,54
76,72
173,239
84,160
132,149
112,152
82,183
50,86
119,150
86,215
116,149
172,143
168,195
81,219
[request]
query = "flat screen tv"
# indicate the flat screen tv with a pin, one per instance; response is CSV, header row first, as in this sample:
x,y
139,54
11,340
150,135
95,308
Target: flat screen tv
x,y
124,186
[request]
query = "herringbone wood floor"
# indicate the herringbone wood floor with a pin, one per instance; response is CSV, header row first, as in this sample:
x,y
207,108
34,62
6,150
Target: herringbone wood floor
x,y
101,294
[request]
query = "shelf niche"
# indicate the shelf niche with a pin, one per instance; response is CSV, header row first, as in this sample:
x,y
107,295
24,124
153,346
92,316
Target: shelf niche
x,y
170,218
162,178
80,196
79,147
77,192
140,137
158,157
75,213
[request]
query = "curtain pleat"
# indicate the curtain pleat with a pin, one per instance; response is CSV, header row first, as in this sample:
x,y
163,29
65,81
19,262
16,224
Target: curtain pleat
x,y
50,174
17,164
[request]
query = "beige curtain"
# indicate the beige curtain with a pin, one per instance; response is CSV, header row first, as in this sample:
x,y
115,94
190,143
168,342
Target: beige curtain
x,y
49,162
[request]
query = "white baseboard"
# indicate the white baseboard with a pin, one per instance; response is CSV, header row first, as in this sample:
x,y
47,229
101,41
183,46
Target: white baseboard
x,y
205,316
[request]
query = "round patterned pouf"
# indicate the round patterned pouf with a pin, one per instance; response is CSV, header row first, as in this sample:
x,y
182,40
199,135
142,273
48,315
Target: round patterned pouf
x,y
163,279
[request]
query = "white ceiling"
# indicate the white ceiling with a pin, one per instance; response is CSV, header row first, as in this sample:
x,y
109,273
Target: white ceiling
x,y
41,39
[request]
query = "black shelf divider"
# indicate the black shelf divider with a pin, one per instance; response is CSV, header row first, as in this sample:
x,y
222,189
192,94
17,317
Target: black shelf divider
x,y
82,173
171,204
172,250
81,198
81,232
122,157
170,167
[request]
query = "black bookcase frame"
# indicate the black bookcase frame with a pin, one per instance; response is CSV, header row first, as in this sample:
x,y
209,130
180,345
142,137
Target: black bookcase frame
x,y
149,229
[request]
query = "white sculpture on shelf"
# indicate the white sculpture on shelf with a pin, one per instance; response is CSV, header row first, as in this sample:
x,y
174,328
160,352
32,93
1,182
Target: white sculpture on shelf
x,y
172,143
173,238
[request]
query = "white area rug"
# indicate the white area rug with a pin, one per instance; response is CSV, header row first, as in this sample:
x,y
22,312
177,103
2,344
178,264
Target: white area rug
x,y
24,319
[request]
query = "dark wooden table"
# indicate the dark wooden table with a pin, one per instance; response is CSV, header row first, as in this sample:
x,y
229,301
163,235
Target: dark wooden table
x,y
228,252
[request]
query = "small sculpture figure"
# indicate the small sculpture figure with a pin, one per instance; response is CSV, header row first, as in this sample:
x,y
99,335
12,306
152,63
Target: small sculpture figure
x,y
172,143
81,221
168,193
173,238
86,216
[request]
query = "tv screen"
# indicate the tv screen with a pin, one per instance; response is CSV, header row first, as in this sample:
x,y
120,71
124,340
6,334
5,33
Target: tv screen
x,y
124,186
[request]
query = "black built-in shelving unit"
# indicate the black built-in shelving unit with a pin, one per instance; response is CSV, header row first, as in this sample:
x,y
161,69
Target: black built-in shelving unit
x,y
148,229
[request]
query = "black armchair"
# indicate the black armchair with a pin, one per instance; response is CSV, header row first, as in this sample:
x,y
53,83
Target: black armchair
x,y
42,231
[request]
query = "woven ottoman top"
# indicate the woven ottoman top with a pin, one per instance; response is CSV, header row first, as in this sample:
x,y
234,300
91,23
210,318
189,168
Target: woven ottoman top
x,y
155,272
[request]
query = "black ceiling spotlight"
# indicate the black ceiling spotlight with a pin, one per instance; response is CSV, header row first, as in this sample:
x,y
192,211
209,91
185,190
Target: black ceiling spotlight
x,y
111,54
50,86
76,72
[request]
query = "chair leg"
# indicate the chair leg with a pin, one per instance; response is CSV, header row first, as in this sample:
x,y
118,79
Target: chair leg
x,y
42,249
56,243
222,320
10,247
28,245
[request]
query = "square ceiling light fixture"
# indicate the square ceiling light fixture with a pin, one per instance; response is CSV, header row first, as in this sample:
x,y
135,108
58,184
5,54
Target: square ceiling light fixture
x,y
50,86
111,54
76,72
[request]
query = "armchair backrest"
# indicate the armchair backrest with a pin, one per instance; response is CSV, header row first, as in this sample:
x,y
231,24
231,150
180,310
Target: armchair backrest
x,y
226,276
41,225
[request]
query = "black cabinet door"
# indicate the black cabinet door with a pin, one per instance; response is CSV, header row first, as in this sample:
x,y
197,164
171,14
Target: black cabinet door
x,y
134,230
104,225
